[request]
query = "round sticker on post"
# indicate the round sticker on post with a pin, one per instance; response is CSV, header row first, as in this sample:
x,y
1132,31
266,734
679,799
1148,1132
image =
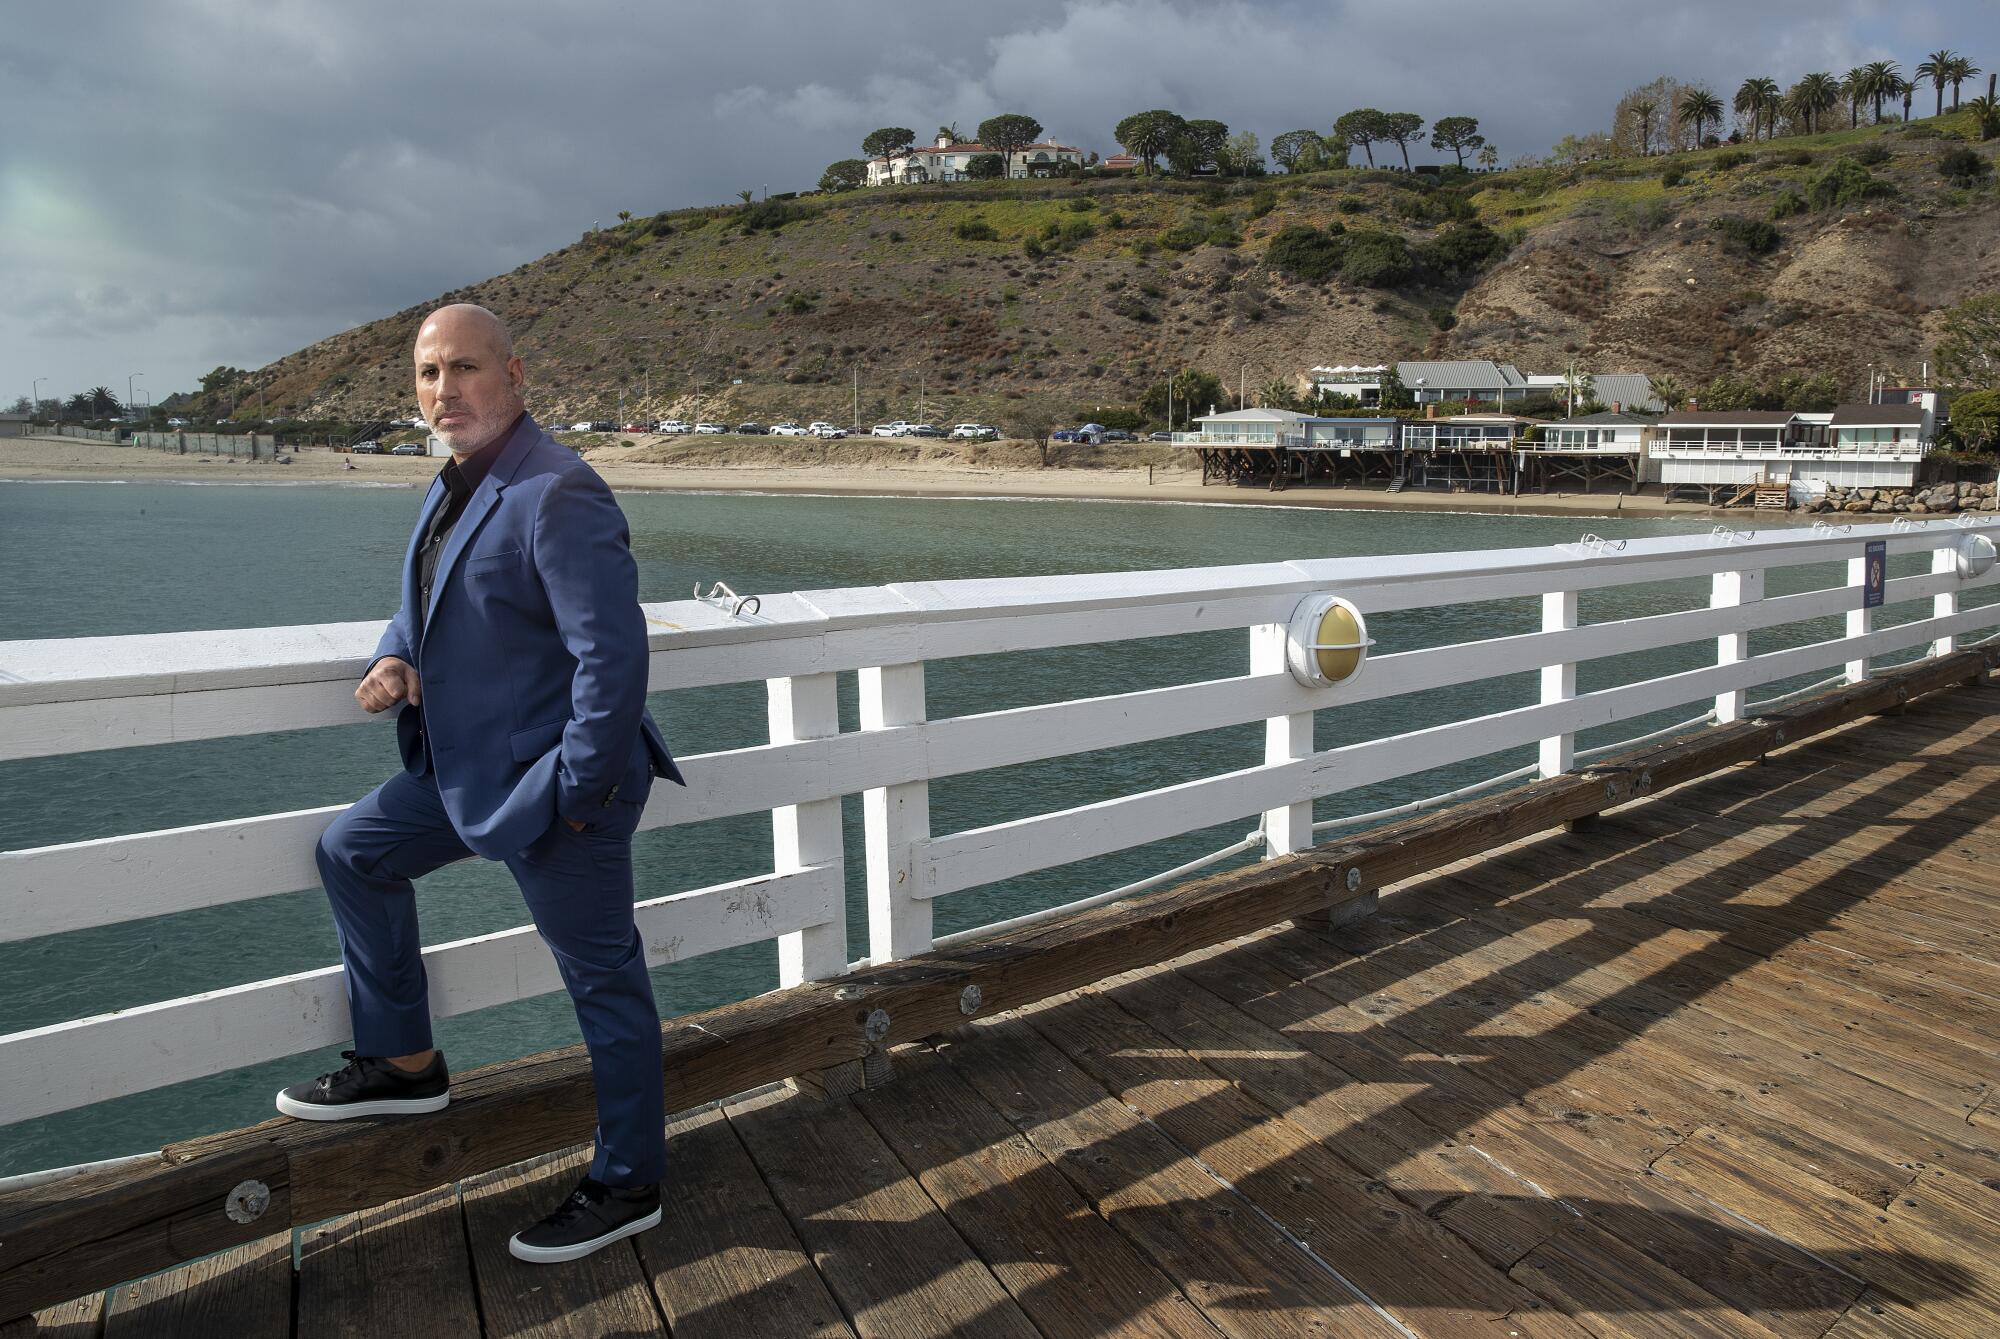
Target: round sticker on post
x,y
1326,642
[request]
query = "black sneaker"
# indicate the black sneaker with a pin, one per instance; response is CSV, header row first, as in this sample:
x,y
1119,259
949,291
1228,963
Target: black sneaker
x,y
594,1215
369,1085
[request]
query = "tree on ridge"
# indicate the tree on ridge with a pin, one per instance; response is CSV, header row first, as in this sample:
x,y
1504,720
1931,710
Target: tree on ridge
x,y
1457,133
1009,133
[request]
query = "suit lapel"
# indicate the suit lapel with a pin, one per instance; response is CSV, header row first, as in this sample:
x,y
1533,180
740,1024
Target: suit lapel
x,y
478,507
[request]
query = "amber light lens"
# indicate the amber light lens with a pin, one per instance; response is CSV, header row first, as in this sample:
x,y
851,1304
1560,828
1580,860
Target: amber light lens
x,y
1337,627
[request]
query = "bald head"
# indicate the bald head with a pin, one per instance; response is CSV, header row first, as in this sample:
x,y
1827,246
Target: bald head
x,y
468,378
471,322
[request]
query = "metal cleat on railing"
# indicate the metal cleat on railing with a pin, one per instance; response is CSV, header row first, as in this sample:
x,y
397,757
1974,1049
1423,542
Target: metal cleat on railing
x,y
1592,546
1722,534
1901,524
1828,528
727,600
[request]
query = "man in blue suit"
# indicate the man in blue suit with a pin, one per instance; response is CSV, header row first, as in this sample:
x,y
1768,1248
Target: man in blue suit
x,y
519,658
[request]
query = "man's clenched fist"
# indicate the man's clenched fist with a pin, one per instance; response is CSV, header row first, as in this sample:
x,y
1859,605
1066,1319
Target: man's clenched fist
x,y
387,684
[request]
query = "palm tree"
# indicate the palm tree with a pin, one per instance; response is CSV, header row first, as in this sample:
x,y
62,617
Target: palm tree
x,y
1757,96
1815,93
1699,106
1884,81
1489,157
1642,112
1986,115
1668,390
1908,89
1854,88
1961,70
1937,69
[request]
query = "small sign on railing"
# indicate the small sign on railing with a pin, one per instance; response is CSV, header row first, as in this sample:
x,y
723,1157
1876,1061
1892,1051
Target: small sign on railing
x,y
1874,572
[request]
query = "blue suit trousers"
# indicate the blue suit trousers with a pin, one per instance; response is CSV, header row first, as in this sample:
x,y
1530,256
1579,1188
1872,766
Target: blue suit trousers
x,y
578,887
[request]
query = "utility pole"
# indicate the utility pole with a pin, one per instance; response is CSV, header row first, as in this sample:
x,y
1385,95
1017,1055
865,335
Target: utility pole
x,y
857,397
1170,396
128,391
1242,388
35,398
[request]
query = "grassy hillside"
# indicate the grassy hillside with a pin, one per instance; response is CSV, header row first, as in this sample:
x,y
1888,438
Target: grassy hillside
x,y
996,301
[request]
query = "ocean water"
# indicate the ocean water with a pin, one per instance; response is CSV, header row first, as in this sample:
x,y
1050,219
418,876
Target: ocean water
x,y
100,559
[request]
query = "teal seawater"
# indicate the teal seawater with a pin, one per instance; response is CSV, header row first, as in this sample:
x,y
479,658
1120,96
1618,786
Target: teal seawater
x,y
98,559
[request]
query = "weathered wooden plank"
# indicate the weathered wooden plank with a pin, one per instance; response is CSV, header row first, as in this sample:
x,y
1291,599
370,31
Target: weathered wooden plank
x,y
887,1254
1844,1129
604,1293
515,1110
1415,1270
1607,1184
60,1238
403,1269
724,1261
1875,1316
82,1318
1950,1281
1073,1273
1246,1276
1604,1283
246,1291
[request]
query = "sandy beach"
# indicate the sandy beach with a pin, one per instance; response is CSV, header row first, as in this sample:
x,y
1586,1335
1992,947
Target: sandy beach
x,y
43,458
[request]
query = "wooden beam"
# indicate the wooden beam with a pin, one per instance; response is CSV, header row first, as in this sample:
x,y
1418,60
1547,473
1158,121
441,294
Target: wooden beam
x,y
66,1238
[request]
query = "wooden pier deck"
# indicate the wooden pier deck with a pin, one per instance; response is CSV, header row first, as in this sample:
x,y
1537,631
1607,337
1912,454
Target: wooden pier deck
x,y
1720,1063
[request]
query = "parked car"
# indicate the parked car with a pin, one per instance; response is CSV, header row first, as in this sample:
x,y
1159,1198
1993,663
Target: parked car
x,y
827,431
897,429
409,449
752,429
602,425
633,427
1063,435
925,430
177,423
1119,435
672,425
580,427
787,430
370,447
709,429
974,432
1159,437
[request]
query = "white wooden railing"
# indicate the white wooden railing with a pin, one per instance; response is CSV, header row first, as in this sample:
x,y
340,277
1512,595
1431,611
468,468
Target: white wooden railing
x,y
73,696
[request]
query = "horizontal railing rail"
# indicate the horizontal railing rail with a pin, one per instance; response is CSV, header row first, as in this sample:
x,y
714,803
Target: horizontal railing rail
x,y
77,695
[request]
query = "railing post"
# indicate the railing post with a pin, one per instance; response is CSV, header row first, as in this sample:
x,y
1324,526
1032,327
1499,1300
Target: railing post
x,y
1289,827
1860,619
1558,681
1945,603
802,835
897,821
1726,590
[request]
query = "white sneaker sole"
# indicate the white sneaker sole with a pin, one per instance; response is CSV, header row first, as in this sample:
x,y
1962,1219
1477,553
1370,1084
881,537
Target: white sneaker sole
x,y
407,1106
555,1255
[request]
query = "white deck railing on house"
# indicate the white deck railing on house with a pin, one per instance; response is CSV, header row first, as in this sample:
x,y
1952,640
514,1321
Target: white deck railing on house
x,y
72,696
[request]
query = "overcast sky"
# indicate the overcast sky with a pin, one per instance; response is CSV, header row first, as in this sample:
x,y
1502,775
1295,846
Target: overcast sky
x,y
185,183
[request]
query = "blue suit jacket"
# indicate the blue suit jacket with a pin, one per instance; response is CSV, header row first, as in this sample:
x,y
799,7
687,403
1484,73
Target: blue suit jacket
x,y
533,661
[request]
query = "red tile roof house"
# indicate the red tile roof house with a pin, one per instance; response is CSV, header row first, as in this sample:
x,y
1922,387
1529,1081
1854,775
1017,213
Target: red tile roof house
x,y
945,161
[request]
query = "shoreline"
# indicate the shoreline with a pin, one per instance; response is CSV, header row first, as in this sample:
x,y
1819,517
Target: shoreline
x,y
50,460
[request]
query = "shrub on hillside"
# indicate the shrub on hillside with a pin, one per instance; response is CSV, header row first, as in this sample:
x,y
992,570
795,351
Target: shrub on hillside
x,y
1375,259
1872,154
1305,254
974,230
1844,182
1462,248
1747,237
770,215
1185,237
1672,175
1921,130
1081,204
1351,204
1787,203
1730,159
1961,166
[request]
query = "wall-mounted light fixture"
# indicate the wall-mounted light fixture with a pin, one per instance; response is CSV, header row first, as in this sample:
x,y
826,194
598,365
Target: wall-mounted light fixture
x,y
1974,555
1326,642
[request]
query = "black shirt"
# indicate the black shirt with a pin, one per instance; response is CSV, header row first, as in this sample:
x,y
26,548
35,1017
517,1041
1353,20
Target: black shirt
x,y
460,481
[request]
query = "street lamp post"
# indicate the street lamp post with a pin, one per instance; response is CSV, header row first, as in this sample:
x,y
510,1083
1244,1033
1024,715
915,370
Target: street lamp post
x,y
128,391
35,398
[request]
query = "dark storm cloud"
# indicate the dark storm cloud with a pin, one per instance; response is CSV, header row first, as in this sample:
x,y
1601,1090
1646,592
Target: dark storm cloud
x,y
190,182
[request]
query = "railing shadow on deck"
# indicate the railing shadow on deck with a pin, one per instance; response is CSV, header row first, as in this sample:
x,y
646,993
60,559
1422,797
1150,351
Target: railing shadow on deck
x,y
1838,1273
